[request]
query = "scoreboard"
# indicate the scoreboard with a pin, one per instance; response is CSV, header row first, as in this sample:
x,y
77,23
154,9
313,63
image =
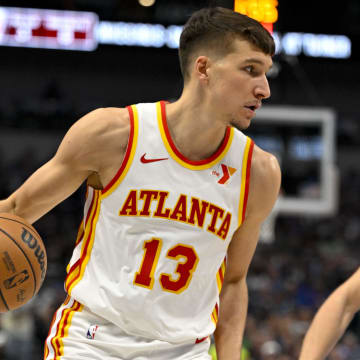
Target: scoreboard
x,y
264,11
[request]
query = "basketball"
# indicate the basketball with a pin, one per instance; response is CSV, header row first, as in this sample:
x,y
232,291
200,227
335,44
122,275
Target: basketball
x,y
23,262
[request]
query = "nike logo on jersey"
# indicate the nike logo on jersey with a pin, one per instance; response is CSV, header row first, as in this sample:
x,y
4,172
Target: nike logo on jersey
x,y
146,161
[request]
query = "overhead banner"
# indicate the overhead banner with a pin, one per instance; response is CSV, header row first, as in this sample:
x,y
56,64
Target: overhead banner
x,y
79,30
52,29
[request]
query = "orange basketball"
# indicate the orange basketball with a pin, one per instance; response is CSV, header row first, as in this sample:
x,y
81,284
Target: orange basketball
x,y
23,262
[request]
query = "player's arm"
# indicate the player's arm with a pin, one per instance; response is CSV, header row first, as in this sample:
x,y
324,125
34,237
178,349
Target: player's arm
x,y
265,180
332,319
90,146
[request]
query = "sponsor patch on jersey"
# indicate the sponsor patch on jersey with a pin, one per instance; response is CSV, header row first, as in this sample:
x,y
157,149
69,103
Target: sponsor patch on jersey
x,y
92,331
223,173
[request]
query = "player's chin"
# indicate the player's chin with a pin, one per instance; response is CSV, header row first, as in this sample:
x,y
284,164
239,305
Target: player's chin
x,y
242,124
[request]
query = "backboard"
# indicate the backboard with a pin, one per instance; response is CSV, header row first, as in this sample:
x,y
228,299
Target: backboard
x,y
303,140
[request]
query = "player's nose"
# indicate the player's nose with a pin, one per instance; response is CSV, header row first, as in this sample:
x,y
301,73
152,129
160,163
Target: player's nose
x,y
262,89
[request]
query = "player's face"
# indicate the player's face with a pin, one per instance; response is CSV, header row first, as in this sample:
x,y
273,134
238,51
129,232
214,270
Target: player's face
x,y
239,83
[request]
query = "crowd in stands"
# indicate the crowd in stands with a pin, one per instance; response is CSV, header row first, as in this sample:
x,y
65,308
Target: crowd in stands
x,y
288,279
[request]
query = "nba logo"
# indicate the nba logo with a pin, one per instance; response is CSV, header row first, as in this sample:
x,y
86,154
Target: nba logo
x,y
91,331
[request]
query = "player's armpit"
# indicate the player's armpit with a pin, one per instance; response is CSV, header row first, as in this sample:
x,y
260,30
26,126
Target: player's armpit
x,y
94,144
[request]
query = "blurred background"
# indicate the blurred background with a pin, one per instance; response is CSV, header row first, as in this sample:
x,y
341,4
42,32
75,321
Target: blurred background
x,y
120,52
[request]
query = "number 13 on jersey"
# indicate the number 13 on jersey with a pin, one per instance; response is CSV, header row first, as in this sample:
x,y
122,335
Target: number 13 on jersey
x,y
185,256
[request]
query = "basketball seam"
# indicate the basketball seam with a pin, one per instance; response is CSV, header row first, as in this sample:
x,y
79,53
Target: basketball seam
x,y
29,227
4,301
32,269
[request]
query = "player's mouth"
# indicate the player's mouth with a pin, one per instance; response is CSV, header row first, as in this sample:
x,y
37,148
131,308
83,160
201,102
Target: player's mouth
x,y
252,107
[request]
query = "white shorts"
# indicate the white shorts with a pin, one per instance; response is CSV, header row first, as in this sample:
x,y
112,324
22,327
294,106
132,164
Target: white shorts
x,y
77,333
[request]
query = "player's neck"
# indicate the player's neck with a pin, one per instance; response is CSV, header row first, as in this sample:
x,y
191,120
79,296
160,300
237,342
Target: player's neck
x,y
194,128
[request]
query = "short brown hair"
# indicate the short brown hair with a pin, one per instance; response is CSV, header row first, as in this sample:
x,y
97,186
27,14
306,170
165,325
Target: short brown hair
x,y
216,28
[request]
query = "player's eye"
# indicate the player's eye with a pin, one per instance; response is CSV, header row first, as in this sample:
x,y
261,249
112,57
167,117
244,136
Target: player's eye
x,y
250,69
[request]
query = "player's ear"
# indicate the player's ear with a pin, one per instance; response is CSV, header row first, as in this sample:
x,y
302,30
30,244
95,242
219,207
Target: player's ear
x,y
202,64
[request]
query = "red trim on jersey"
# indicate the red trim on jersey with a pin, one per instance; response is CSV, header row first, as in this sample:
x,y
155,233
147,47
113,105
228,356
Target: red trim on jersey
x,y
46,352
127,154
74,307
82,228
247,182
56,345
221,275
60,331
76,263
84,253
178,153
217,309
89,210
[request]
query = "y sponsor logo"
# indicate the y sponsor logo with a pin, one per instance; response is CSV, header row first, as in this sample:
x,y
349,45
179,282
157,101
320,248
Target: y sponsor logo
x,y
223,173
92,331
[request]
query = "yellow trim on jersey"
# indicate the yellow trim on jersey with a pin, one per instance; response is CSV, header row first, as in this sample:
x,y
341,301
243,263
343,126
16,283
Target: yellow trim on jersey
x,y
89,235
78,237
218,277
180,161
243,179
131,156
218,280
213,319
76,307
88,242
62,329
214,316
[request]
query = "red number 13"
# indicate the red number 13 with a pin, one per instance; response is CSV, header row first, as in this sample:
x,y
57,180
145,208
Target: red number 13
x,y
187,260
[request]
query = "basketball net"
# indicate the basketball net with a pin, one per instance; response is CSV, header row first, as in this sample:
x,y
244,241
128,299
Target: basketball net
x,y
267,231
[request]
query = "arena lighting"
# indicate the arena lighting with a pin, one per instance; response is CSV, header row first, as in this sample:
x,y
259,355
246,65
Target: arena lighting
x,y
146,3
138,34
75,30
155,35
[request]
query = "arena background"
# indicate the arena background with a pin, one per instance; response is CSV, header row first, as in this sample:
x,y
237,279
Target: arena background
x,y
44,91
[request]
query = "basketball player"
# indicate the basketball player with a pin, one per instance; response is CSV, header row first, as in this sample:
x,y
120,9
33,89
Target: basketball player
x,y
332,319
176,194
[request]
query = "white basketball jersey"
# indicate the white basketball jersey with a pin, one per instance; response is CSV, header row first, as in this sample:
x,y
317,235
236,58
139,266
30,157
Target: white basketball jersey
x,y
150,254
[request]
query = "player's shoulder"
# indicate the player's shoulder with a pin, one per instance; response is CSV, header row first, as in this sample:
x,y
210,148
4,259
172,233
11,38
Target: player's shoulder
x,y
264,165
107,117
104,124
265,180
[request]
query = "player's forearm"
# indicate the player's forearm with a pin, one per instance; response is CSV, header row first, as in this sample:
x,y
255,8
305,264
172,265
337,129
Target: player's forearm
x,y
232,316
7,206
11,205
327,327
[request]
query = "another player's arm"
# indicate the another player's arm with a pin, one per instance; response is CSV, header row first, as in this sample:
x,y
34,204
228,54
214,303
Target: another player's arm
x,y
265,180
332,319
91,146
